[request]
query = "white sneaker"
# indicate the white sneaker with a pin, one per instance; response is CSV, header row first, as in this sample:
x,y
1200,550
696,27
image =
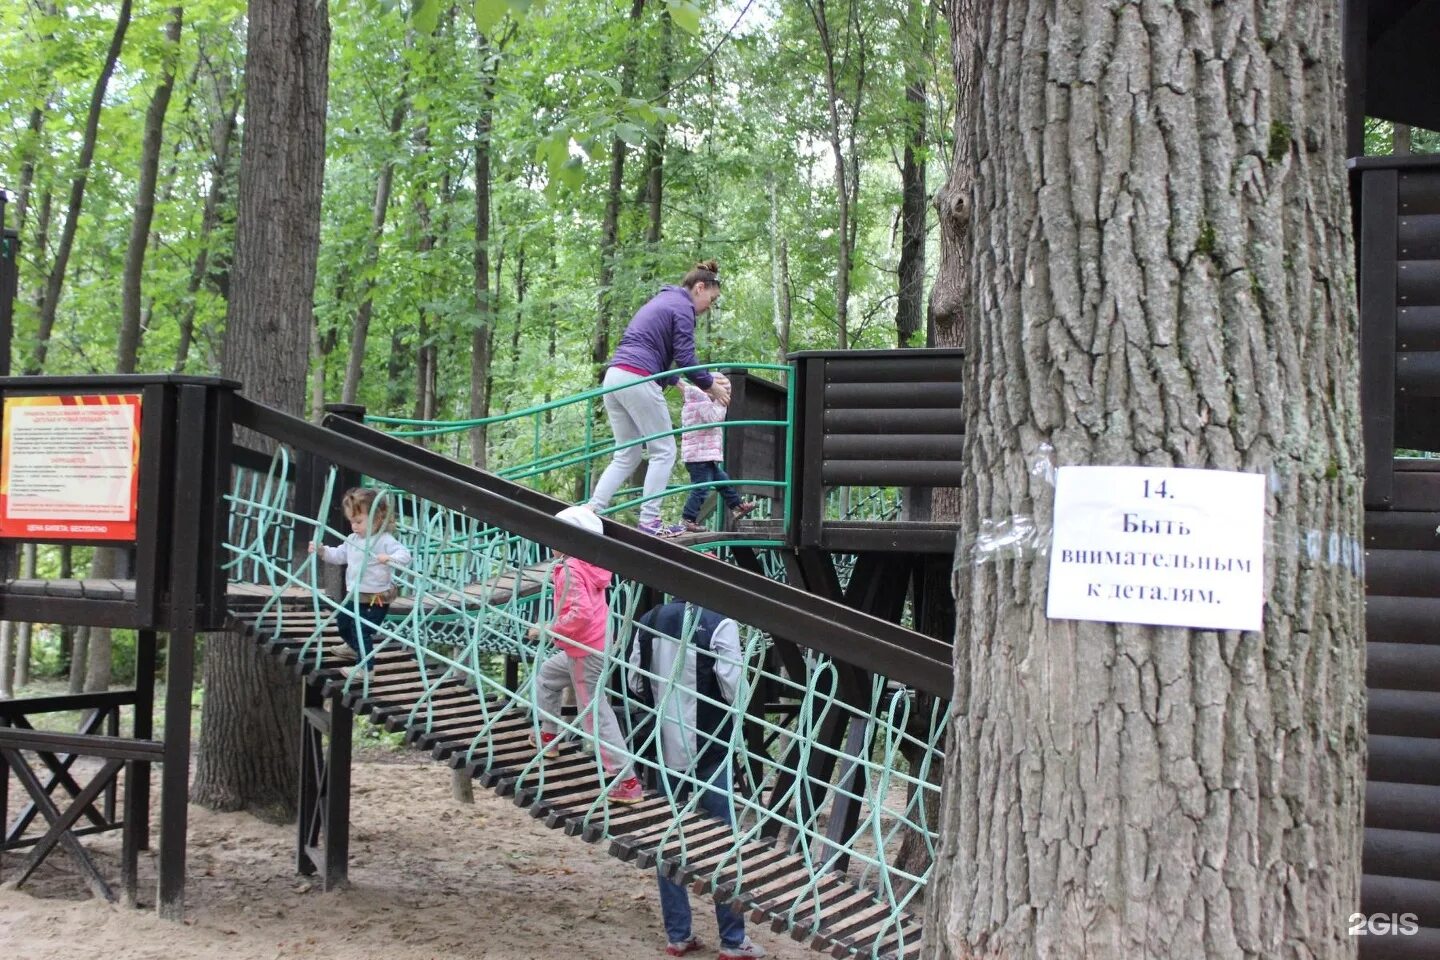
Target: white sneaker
x,y
746,948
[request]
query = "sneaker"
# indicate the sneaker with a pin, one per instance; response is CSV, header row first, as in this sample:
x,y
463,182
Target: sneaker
x,y
746,508
347,653
684,947
657,529
549,745
746,948
695,526
628,790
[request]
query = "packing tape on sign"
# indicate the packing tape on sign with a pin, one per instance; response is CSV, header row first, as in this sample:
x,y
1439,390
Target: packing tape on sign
x,y
1028,536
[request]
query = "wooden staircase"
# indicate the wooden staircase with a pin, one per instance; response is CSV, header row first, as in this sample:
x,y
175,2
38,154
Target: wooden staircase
x,y
841,918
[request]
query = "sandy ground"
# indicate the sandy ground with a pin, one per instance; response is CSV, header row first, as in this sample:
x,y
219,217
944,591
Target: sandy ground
x,y
430,880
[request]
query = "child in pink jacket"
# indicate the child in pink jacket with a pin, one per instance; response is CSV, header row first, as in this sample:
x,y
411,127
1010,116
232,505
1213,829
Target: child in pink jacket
x,y
704,453
581,614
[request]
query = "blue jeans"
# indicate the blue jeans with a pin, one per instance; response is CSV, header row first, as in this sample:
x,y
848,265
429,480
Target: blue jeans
x,y
674,901
708,472
357,633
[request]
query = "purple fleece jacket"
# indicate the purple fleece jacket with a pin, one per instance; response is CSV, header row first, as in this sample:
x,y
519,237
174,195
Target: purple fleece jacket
x,y
661,335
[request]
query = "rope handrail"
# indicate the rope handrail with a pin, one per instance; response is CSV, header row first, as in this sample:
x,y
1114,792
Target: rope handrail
x,y
466,610
437,427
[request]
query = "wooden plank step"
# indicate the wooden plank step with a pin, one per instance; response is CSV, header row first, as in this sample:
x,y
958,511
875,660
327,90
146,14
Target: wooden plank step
x,y
564,793
693,838
836,904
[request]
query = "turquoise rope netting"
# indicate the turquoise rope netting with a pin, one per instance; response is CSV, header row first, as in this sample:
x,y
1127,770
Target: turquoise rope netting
x,y
468,599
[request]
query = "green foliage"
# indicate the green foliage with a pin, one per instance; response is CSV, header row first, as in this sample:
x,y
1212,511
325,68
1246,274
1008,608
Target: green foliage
x,y
730,98
1279,141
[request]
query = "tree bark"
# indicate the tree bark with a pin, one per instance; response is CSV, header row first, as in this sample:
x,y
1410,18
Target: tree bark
x,y
779,277
247,757
24,631
79,660
481,337
360,330
425,354
105,564
1160,272
32,141
846,171
55,283
610,225
134,270
27,168
222,135
1401,134
655,157
910,302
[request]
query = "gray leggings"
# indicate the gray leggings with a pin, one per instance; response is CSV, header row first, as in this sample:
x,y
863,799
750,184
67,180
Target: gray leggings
x,y
635,412
583,674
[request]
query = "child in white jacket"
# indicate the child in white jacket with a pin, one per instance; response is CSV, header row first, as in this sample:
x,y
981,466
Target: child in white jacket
x,y
369,554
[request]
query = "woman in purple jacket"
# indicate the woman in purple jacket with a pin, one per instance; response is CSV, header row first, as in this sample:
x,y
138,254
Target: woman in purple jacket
x,y
660,335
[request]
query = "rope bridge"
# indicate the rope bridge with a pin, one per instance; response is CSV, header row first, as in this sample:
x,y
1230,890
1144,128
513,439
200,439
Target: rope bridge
x,y
816,845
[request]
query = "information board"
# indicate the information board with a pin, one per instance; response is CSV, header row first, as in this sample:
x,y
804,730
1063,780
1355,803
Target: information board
x,y
70,467
1165,546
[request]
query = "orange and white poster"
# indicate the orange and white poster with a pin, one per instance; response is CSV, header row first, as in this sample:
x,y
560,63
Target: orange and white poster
x,y
70,467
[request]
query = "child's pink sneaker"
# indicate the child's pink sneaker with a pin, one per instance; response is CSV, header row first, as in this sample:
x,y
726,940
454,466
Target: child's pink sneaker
x,y
628,790
684,947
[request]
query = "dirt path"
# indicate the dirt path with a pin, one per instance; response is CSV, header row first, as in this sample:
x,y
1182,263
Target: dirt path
x,y
431,880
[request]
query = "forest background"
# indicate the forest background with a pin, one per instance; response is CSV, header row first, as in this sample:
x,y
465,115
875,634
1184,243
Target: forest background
x,y
505,182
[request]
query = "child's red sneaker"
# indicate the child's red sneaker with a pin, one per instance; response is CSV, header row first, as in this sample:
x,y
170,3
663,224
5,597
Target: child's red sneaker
x,y
628,790
684,947
744,510
549,745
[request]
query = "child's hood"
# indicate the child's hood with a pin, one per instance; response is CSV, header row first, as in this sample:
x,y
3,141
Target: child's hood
x,y
596,578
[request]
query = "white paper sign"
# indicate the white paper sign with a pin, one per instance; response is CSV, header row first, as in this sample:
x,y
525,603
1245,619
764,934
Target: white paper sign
x,y
1158,545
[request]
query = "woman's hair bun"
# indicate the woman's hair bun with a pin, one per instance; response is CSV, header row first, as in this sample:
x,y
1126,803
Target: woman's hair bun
x,y
711,265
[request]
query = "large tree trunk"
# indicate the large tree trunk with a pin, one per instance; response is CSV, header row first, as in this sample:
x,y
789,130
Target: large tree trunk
x,y
910,303
481,337
25,631
56,280
846,171
1161,273
222,135
360,329
79,660
150,140
779,277
27,167
251,725
655,157
426,354
610,225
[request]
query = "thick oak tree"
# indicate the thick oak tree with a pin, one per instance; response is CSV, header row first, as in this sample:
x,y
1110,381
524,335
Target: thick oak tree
x,y
1154,267
250,731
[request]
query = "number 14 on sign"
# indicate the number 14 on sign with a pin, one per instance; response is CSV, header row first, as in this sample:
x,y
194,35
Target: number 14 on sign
x,y
1155,490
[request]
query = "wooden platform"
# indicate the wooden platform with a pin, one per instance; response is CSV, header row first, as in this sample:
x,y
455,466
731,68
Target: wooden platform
x,y
861,536
849,918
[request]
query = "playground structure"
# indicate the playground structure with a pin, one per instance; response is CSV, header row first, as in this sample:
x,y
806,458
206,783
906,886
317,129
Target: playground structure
x,y
846,616
843,709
